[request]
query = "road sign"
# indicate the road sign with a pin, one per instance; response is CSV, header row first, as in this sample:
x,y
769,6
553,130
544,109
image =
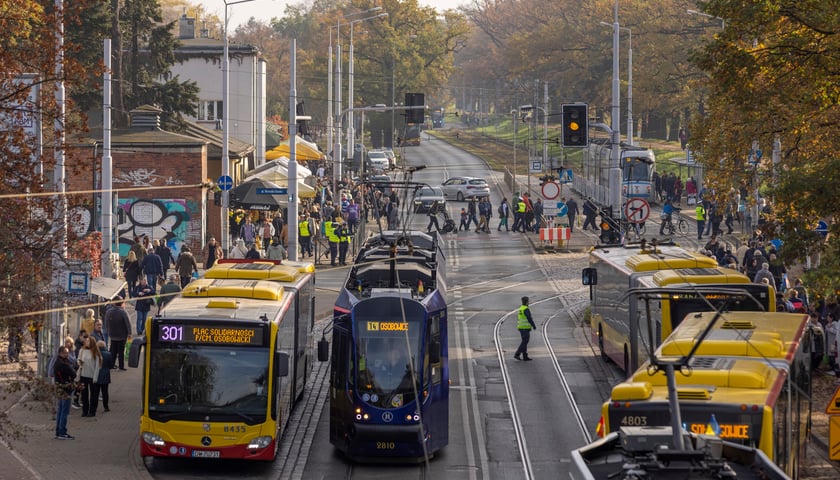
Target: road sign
x,y
272,191
834,437
562,209
565,176
550,190
636,210
77,283
536,166
833,407
822,229
225,182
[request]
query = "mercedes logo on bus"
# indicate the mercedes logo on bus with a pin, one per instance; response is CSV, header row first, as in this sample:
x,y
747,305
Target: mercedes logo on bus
x,y
206,441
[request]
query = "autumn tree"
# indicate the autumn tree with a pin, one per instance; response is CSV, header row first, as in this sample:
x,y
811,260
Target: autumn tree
x,y
34,231
772,76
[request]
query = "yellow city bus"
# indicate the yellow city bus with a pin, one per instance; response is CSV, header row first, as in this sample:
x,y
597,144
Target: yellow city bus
x,y
224,364
748,382
614,270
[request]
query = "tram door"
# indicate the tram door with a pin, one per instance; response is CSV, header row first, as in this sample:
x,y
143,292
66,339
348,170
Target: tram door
x,y
341,375
437,416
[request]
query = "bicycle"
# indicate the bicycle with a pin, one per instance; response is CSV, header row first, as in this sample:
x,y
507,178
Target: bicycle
x,y
669,228
635,230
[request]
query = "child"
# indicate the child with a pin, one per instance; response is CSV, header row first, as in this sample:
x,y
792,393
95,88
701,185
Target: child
x,y
464,220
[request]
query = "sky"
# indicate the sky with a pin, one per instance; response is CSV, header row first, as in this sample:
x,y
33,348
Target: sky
x,y
266,9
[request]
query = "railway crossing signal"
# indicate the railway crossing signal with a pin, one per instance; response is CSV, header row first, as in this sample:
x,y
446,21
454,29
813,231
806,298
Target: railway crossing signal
x,y
575,125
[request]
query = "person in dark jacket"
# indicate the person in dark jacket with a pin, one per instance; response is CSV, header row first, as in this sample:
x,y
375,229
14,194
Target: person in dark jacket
x,y
590,211
144,297
104,377
152,266
165,254
65,376
119,329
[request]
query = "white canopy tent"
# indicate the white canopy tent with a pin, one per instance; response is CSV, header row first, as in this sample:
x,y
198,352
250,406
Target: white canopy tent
x,y
277,171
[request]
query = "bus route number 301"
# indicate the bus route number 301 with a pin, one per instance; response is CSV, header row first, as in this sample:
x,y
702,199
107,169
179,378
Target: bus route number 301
x,y
634,421
385,445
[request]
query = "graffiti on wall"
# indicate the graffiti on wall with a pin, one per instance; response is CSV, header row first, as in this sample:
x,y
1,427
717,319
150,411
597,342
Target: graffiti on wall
x,y
143,177
160,219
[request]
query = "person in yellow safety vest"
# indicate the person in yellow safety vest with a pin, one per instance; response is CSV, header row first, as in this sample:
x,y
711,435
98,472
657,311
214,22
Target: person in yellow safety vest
x,y
700,215
343,233
519,215
524,323
332,238
305,235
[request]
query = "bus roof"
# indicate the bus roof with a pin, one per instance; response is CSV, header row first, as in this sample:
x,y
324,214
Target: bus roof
x,y
699,275
649,259
737,334
258,270
215,287
229,300
707,377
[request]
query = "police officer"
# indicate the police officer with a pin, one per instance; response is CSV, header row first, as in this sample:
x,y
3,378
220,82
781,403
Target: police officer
x,y
305,235
329,232
519,215
524,323
343,234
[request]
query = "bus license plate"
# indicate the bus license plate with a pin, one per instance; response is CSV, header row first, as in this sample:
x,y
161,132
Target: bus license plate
x,y
206,453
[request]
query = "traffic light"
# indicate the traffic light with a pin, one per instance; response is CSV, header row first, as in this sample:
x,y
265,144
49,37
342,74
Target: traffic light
x,y
575,125
417,115
610,233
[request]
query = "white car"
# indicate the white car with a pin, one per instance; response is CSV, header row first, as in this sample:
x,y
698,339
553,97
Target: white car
x,y
377,160
465,188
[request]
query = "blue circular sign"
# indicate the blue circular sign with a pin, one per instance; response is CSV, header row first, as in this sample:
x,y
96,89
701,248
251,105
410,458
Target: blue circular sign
x,y
822,228
225,182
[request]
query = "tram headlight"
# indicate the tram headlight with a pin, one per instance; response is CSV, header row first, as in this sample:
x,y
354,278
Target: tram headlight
x,y
259,442
153,439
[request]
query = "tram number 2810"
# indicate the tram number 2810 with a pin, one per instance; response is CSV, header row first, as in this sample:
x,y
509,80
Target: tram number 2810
x,y
634,421
386,445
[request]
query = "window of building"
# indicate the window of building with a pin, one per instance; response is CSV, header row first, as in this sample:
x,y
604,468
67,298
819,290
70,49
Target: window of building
x,y
210,110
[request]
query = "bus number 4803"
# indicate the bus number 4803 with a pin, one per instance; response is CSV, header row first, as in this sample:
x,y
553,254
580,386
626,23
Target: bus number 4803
x,y
634,421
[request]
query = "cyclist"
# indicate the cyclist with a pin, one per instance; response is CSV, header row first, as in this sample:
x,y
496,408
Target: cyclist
x,y
667,214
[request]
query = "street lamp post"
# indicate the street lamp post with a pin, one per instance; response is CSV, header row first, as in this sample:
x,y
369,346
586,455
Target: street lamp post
x,y
526,108
629,81
351,130
702,14
226,128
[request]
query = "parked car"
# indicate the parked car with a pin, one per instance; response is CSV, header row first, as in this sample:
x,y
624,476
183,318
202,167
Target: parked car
x,y
465,188
381,183
377,160
426,196
392,157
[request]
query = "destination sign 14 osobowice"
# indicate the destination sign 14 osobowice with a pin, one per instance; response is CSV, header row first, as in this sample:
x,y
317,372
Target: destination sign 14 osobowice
x,y
387,326
211,335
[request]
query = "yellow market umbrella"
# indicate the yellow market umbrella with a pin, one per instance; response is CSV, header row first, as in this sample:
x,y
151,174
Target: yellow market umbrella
x,y
304,151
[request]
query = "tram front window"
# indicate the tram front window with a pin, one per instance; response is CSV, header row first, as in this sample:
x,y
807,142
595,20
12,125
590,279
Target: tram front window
x,y
189,382
636,170
384,363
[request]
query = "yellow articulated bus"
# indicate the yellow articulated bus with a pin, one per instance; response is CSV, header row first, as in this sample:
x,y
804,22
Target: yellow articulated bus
x,y
224,364
748,382
614,270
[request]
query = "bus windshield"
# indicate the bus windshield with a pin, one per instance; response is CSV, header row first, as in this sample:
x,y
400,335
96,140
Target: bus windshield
x,y
190,382
384,362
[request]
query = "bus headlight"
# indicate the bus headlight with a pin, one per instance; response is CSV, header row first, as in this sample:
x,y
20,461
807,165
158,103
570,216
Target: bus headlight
x,y
153,439
259,442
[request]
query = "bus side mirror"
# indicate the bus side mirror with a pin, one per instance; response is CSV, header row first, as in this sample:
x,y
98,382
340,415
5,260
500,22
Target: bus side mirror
x,y
323,350
589,276
134,351
281,364
434,352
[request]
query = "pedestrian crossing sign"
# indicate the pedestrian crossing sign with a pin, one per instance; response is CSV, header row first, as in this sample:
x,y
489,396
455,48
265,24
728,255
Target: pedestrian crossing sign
x,y
565,176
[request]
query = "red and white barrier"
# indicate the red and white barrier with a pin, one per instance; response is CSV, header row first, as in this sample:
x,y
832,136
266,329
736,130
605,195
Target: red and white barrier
x,y
555,234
